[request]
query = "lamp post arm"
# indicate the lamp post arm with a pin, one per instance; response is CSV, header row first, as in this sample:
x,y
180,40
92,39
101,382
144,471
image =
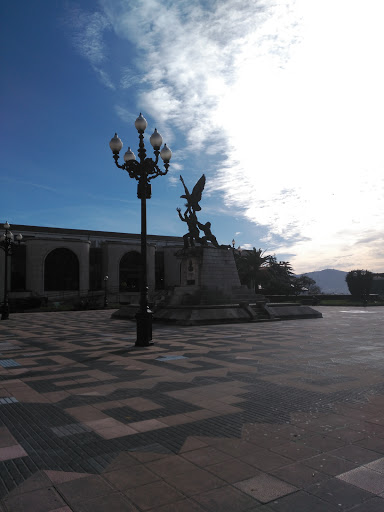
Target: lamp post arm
x,y
116,158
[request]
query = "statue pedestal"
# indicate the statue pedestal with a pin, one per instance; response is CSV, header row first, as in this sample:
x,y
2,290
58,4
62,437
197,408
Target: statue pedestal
x,y
211,293
210,290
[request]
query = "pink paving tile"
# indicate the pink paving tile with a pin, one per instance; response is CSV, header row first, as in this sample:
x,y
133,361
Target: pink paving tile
x,y
12,452
108,405
176,419
59,477
147,425
171,465
85,413
114,432
141,404
39,500
6,438
38,480
123,460
29,395
191,443
129,477
194,482
207,456
148,456
153,495
55,396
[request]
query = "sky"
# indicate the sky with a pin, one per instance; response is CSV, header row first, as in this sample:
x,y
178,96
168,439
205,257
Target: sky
x,y
279,103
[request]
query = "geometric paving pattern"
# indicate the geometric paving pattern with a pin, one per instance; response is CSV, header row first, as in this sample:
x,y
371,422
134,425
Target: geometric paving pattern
x,y
274,416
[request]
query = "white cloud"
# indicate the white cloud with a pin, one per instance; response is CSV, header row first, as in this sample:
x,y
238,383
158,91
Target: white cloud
x,y
87,34
291,93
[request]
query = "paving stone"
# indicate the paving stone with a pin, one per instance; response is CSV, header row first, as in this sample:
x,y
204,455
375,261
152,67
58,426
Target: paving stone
x,y
356,454
233,471
329,464
265,487
373,505
340,493
153,495
377,465
371,443
115,502
295,451
39,500
266,460
365,478
12,452
302,502
207,456
128,477
83,489
180,506
194,482
247,393
169,466
226,499
299,475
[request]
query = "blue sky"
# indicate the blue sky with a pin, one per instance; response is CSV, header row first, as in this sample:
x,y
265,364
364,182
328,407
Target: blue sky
x,y
280,104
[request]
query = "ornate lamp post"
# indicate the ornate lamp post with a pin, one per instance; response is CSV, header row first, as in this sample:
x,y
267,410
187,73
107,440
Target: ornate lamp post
x,y
6,243
143,171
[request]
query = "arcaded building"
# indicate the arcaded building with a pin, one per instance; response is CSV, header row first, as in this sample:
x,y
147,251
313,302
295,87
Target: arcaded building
x,y
54,261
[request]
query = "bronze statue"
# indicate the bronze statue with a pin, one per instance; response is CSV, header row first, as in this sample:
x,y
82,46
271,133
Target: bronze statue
x,y
194,226
193,231
194,198
208,236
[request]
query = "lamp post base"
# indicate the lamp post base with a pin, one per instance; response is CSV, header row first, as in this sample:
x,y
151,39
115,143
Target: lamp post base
x,y
144,328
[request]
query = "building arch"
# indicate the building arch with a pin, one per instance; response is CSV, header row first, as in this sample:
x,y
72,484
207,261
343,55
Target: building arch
x,y
129,272
61,270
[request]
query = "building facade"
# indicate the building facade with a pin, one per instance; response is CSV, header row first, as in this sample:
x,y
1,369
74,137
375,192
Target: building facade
x,y
51,262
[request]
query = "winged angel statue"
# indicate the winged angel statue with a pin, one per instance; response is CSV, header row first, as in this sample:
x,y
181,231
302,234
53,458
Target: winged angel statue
x,y
189,216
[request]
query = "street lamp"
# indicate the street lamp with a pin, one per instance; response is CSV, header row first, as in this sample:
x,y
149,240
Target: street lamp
x,y
6,243
143,171
105,292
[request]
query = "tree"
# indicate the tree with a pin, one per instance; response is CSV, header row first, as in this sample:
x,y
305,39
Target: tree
x,y
304,283
249,264
359,283
279,277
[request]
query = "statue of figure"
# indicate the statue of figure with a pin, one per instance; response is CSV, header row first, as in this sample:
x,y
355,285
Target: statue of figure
x,y
194,226
193,231
208,235
194,198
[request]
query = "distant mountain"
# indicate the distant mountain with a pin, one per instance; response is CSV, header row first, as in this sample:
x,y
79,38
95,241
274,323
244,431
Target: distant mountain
x,y
330,281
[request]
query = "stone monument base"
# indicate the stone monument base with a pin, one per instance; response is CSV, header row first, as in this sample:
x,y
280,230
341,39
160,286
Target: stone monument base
x,y
211,293
290,311
205,314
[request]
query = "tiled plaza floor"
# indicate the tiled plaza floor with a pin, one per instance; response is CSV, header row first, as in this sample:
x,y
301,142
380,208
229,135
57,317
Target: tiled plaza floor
x,y
280,416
